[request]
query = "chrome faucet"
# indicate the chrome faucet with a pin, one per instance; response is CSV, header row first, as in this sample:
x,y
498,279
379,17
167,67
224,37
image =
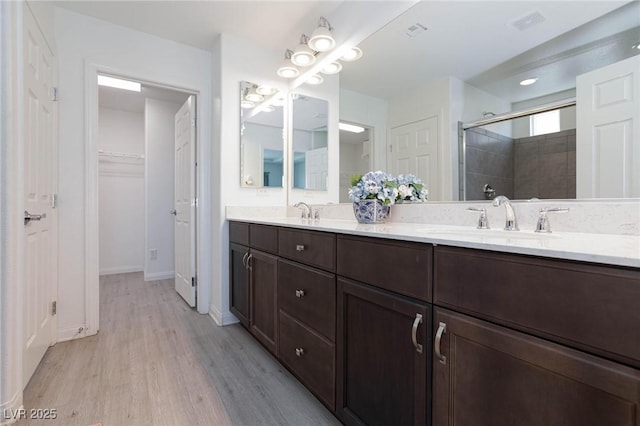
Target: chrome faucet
x,y
304,207
511,223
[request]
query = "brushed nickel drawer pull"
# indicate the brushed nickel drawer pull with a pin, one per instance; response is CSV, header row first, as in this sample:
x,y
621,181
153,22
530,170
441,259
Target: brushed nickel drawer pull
x,y
299,351
442,328
414,332
299,293
299,247
244,260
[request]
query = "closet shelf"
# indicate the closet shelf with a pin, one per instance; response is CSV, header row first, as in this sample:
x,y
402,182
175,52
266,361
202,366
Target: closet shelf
x,y
114,154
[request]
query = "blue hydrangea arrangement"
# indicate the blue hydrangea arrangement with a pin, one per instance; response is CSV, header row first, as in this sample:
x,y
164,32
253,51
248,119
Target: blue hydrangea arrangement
x,y
387,188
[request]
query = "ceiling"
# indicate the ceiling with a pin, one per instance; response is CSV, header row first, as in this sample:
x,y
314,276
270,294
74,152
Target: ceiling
x,y
475,41
109,97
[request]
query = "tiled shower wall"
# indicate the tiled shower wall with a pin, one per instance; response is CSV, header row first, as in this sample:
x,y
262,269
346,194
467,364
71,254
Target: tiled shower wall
x,y
545,166
537,166
489,159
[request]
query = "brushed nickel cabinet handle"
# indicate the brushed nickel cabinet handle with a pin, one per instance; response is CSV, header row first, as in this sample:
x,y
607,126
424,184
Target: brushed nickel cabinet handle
x,y
300,293
249,261
244,260
414,333
299,351
299,247
442,328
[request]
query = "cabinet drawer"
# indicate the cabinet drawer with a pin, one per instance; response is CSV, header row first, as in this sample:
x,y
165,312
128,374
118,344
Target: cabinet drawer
x,y
310,357
264,237
239,233
308,295
591,307
308,247
400,267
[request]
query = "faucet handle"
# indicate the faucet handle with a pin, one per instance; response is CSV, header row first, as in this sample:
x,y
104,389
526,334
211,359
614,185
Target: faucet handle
x,y
543,224
483,222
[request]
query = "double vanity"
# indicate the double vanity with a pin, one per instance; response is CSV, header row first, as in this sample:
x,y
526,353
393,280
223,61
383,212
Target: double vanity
x,y
417,323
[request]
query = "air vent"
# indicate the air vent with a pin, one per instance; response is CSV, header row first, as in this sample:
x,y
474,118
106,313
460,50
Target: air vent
x,y
530,20
415,30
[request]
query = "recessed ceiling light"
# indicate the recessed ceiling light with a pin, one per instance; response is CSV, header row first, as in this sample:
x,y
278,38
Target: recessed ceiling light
x,y
350,127
118,83
528,81
351,54
636,46
315,79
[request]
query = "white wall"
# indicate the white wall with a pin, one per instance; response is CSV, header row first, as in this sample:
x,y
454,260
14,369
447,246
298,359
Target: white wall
x,y
85,45
351,162
121,186
159,188
371,112
424,102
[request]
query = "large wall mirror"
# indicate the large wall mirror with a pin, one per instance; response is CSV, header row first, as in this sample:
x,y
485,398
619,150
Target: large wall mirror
x,y
261,136
552,41
309,142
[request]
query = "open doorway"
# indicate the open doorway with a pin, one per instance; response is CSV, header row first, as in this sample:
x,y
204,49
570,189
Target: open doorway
x,y
356,154
136,179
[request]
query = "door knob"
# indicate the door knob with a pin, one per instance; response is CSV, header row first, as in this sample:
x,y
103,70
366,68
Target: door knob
x,y
173,212
29,217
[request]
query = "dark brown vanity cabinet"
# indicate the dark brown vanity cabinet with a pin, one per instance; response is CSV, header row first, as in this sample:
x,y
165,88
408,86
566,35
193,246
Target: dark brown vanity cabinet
x,y
534,341
307,309
486,374
383,357
383,337
253,280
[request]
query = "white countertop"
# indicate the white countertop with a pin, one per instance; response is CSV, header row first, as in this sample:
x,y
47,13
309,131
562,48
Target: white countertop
x,y
622,250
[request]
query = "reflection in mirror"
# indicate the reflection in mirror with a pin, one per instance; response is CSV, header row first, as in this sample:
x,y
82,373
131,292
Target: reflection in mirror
x,y
261,136
531,156
355,155
310,142
409,70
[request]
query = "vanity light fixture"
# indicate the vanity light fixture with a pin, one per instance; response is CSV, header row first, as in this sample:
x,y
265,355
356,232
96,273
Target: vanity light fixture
x,y
321,40
350,127
332,68
288,69
528,81
265,90
352,54
303,55
253,96
315,79
247,104
118,83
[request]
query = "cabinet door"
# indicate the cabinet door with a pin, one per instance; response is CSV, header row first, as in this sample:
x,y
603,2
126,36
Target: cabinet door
x,y
264,273
486,374
382,377
239,282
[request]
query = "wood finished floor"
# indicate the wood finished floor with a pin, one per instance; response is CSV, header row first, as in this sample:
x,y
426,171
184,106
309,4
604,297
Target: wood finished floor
x,y
155,361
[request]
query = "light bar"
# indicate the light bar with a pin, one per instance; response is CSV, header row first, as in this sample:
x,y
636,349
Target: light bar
x,y
350,127
118,83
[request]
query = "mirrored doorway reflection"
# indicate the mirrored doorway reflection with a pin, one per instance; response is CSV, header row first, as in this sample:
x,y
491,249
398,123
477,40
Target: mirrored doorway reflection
x,y
356,154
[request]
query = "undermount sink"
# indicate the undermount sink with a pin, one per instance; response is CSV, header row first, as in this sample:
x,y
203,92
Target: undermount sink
x,y
467,231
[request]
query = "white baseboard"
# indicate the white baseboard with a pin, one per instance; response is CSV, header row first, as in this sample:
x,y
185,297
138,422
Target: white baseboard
x,y
121,270
11,410
159,276
74,333
222,319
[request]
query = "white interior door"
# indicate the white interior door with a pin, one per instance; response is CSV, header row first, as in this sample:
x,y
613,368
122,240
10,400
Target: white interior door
x,y
414,149
40,228
185,201
316,163
608,131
